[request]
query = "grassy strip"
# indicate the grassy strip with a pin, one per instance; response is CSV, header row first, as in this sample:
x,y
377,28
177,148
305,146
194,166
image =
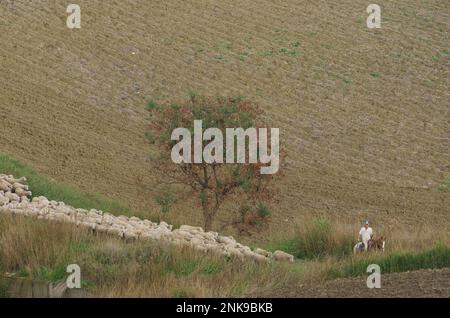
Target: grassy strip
x,y
317,238
41,185
437,257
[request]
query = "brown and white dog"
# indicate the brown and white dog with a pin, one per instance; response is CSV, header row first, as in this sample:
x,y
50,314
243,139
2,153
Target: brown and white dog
x,y
376,244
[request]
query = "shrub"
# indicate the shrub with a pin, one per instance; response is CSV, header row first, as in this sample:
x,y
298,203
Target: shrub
x,y
444,186
262,210
165,199
317,238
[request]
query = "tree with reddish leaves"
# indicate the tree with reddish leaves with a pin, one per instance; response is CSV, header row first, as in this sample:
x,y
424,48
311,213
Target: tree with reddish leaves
x,y
216,182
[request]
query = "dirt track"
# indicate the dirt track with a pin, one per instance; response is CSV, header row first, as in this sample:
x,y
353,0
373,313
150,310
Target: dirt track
x,y
363,113
422,283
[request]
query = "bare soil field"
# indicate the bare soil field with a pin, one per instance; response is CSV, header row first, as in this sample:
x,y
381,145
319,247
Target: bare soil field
x,y
421,283
364,114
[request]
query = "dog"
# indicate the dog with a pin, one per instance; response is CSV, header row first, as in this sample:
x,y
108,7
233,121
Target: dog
x,y
377,244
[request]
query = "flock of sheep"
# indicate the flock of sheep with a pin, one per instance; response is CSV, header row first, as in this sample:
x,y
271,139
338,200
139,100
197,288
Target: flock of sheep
x,y
15,199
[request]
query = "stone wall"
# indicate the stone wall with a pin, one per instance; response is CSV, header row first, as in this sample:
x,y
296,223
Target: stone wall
x,y
15,199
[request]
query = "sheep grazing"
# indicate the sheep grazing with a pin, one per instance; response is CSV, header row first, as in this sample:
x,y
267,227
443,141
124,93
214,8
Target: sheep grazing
x,y
283,257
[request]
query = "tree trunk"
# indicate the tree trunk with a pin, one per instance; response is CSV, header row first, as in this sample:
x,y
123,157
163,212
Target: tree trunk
x,y
209,211
207,215
207,221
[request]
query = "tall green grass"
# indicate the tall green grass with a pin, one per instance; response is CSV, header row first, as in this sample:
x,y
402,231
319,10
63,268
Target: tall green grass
x,y
41,185
436,257
316,239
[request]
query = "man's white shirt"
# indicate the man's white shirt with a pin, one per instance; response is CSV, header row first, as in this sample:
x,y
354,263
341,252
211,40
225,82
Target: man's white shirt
x,y
366,234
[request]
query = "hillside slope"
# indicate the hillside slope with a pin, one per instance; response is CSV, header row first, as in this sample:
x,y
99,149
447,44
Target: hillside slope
x,y
363,113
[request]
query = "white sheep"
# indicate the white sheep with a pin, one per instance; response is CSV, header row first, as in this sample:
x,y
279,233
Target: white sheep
x,y
283,256
5,186
3,200
17,185
12,197
22,192
262,252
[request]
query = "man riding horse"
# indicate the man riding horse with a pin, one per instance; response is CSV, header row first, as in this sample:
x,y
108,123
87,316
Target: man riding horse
x,y
367,241
365,235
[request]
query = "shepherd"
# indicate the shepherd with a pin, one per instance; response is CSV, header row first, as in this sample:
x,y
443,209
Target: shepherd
x,y
365,235
367,241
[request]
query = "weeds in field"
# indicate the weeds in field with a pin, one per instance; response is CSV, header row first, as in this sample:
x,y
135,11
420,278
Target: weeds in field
x,y
282,51
444,186
375,75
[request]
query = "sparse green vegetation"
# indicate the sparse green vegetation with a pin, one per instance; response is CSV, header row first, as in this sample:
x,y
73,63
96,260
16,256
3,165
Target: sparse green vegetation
x,y
262,210
444,186
243,56
47,274
375,75
440,54
283,51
